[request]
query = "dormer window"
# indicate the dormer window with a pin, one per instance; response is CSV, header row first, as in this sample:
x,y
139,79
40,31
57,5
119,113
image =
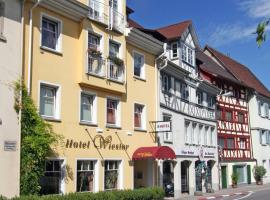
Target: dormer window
x,y
174,47
188,54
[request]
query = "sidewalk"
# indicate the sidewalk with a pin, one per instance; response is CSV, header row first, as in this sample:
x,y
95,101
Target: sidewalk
x,y
229,191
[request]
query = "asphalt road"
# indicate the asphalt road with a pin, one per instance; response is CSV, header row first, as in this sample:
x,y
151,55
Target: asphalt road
x,y
257,195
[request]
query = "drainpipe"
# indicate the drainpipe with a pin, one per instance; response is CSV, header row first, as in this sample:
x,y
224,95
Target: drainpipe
x,y
30,47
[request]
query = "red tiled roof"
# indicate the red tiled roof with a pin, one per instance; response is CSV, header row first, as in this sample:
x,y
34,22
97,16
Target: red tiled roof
x,y
134,24
175,30
240,71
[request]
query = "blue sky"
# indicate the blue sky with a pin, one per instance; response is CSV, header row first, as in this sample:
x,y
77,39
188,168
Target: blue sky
x,y
225,25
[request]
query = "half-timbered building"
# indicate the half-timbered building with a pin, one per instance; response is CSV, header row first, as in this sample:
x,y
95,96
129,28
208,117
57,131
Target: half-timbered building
x,y
233,127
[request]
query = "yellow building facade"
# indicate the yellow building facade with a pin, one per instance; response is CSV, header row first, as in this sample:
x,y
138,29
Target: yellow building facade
x,y
95,81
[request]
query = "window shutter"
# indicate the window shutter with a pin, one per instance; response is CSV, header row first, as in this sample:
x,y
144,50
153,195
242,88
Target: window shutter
x,y
260,136
259,107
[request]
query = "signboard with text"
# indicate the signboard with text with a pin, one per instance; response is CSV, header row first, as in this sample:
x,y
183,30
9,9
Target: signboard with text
x,y
163,126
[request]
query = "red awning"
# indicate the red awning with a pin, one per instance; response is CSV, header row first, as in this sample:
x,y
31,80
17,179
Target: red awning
x,y
161,153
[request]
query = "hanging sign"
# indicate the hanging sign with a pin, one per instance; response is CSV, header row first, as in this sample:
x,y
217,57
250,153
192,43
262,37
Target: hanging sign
x,y
163,126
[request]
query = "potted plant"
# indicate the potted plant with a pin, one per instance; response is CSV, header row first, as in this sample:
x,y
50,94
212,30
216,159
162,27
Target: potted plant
x,y
117,61
259,172
235,177
94,52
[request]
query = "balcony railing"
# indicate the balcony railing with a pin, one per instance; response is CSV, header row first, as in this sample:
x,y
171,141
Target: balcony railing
x,y
115,72
107,15
96,65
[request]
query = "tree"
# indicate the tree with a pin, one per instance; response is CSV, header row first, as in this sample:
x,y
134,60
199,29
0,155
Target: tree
x,y
261,31
37,138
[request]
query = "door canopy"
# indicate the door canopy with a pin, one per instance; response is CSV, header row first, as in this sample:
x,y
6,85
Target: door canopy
x,y
160,153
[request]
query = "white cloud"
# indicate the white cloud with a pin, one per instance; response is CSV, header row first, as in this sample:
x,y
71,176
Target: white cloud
x,y
256,8
228,33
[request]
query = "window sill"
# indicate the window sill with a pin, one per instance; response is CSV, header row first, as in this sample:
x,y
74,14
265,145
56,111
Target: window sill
x,y
51,50
140,130
3,38
113,126
116,81
139,78
88,123
51,119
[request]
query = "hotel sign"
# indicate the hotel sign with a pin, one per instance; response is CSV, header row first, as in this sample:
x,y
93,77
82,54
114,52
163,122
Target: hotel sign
x,y
98,142
200,152
163,126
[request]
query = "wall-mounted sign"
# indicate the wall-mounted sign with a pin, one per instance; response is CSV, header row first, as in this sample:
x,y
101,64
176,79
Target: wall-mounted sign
x,y
201,152
10,146
163,126
98,142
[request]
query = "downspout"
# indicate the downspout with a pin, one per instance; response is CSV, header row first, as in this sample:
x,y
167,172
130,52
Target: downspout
x,y
30,47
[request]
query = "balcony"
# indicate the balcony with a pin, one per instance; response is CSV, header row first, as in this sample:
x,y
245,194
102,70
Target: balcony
x,y
115,71
107,15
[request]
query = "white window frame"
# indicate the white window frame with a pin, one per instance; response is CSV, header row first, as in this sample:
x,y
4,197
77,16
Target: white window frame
x,y
185,54
118,112
120,46
94,106
60,28
142,74
165,81
177,50
188,125
96,172
206,130
199,96
120,175
263,137
63,172
57,112
143,117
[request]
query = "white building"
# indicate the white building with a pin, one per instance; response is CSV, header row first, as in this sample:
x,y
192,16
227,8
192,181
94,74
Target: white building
x,y
259,106
10,71
189,103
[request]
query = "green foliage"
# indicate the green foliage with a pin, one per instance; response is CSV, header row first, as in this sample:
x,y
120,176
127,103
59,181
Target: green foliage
x,y
37,137
116,60
235,177
154,193
259,172
261,32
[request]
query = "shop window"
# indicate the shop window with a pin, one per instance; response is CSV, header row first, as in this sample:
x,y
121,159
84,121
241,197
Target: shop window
x,y
113,112
88,108
85,175
111,176
139,116
50,33
51,181
49,106
139,65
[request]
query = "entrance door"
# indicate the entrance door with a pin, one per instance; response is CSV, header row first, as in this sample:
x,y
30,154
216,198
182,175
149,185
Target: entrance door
x,y
184,177
224,176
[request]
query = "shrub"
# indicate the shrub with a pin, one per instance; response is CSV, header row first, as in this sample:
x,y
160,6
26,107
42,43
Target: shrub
x,y
154,193
259,172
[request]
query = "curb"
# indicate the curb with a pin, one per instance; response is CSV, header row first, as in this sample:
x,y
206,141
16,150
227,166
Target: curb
x,y
223,195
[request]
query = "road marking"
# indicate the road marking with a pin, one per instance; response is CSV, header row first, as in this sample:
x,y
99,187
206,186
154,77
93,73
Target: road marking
x,y
225,195
210,197
250,193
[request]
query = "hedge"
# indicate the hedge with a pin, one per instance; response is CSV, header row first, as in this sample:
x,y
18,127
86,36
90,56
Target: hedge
x,y
154,193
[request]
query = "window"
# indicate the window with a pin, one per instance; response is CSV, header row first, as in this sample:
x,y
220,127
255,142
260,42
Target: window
x,y
49,101
114,49
240,117
206,135
199,95
212,137
139,116
111,177
188,54
193,133
184,91
174,47
166,83
266,110
139,65
242,143
52,180
167,135
219,113
200,134
221,142
2,15
85,175
263,137
228,116
88,108
50,33
113,112
95,9
187,132
211,101
93,42
230,143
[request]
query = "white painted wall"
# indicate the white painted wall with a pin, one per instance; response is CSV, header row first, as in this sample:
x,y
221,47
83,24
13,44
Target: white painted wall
x,y
260,152
10,71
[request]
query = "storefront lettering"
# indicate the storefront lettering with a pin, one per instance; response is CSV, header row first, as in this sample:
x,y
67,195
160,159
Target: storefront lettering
x,y
99,142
